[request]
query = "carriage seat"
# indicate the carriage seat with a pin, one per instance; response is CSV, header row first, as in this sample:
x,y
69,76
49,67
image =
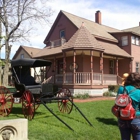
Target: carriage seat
x,y
27,80
35,88
20,88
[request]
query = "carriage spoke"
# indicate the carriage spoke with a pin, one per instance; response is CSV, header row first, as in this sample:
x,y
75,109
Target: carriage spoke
x,y
65,105
6,101
28,105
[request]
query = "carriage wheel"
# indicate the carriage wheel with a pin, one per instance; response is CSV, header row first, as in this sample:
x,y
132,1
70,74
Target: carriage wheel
x,y
28,105
65,106
37,105
6,101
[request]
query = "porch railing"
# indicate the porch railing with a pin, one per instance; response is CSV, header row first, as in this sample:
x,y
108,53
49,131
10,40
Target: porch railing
x,y
59,42
84,78
109,79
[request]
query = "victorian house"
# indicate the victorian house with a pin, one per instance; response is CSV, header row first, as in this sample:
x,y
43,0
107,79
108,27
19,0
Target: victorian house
x,y
88,56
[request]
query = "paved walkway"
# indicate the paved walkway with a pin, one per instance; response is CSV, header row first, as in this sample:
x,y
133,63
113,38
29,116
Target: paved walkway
x,y
93,99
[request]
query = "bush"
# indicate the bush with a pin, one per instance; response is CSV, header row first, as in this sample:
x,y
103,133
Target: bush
x,y
109,93
113,88
82,96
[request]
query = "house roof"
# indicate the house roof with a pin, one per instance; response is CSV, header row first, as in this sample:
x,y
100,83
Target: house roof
x,y
135,30
98,30
83,39
114,49
29,50
48,51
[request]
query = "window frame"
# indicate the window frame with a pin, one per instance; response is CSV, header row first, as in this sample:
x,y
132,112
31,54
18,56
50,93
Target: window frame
x,y
124,40
133,40
137,41
22,56
137,67
62,31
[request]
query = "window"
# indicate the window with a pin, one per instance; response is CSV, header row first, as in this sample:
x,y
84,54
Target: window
x,y
133,39
137,66
137,41
124,40
22,56
62,34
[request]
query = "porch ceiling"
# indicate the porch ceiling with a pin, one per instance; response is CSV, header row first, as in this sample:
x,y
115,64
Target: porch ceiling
x,y
95,53
80,52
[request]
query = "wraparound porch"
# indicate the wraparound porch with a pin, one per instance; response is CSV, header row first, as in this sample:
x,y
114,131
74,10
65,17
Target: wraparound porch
x,y
85,78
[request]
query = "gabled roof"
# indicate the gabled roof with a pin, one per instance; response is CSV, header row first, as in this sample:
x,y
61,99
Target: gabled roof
x,y
100,31
29,50
96,29
83,39
135,30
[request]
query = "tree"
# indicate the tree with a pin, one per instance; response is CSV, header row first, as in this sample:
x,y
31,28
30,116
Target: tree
x,y
17,18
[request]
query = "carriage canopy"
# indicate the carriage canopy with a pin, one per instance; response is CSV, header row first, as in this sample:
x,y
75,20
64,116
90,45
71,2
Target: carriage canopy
x,y
30,62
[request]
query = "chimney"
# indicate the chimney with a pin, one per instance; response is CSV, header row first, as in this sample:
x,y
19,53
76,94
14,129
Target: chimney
x,y
98,17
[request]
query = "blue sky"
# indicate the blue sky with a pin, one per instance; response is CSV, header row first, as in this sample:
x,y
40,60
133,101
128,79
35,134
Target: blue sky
x,y
120,14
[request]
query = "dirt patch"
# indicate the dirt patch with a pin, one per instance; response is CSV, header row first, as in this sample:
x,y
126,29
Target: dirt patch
x,y
93,99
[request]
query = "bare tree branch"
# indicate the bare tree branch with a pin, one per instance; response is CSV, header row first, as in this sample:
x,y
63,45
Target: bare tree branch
x,y
17,18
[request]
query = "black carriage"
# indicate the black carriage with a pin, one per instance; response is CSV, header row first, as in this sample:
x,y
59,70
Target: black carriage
x,y
31,93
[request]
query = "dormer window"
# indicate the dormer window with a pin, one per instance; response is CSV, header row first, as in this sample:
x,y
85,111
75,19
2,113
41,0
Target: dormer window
x,y
62,34
124,40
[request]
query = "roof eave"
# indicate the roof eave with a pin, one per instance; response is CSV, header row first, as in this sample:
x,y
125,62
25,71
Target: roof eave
x,y
83,48
118,55
100,37
125,32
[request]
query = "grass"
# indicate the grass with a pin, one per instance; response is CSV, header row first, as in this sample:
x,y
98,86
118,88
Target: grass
x,y
45,126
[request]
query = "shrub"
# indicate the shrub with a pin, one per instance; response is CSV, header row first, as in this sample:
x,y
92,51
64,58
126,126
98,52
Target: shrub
x,y
109,93
113,88
82,96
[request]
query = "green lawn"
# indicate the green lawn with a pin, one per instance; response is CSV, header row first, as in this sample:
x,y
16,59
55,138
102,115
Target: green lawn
x,y
45,126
